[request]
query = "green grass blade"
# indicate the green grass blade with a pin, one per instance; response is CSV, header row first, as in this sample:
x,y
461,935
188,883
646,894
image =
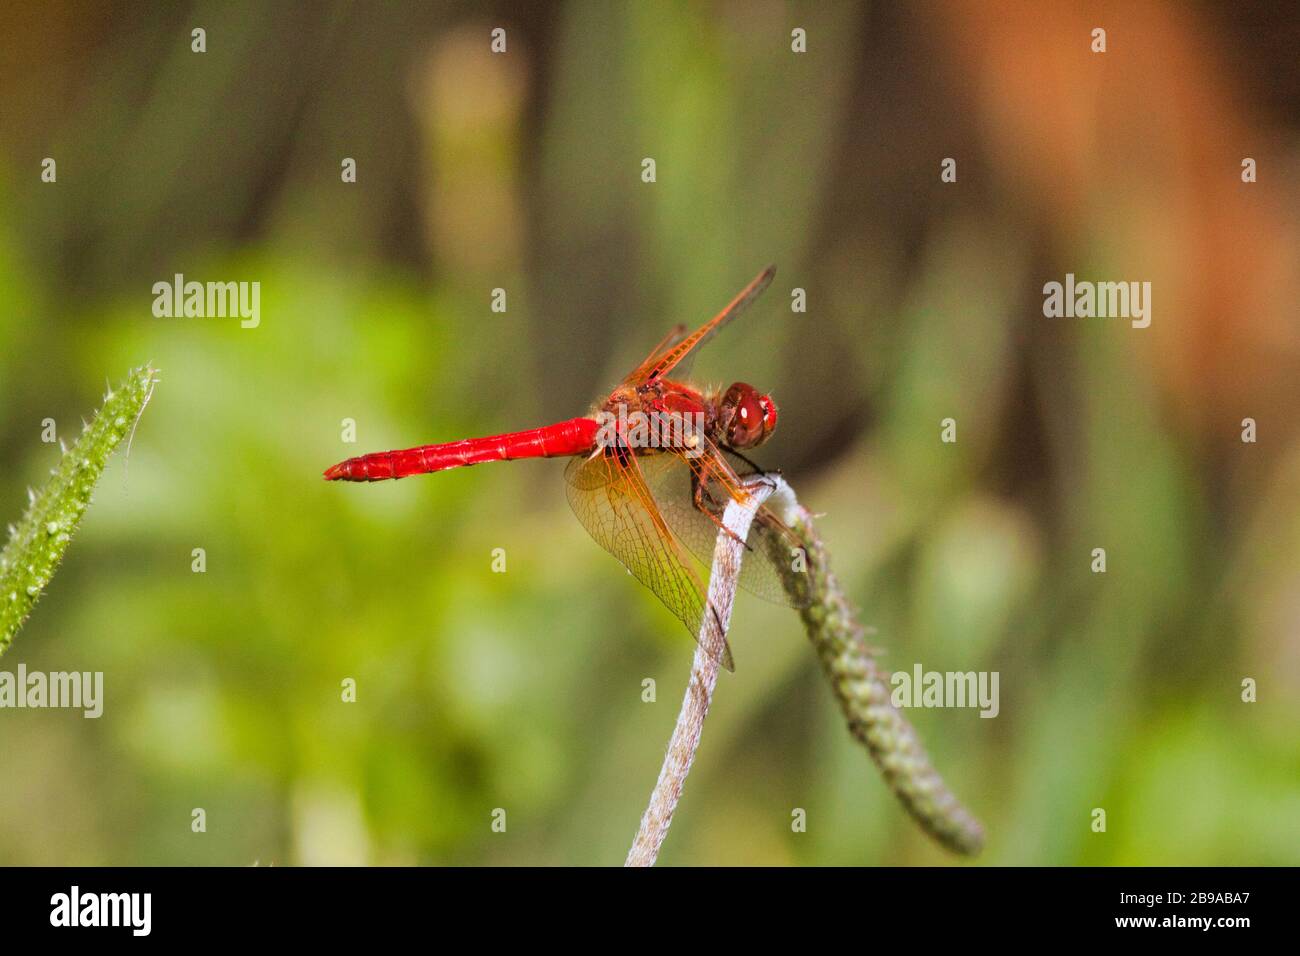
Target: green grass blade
x,y
36,544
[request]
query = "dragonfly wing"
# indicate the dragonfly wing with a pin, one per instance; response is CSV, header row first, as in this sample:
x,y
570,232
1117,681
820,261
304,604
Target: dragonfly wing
x,y
660,365
671,480
611,499
642,371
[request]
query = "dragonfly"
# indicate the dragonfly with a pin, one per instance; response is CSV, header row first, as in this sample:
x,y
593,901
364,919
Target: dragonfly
x,y
653,467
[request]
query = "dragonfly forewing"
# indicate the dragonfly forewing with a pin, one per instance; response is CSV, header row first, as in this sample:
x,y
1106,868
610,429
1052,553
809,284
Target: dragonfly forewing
x,y
609,496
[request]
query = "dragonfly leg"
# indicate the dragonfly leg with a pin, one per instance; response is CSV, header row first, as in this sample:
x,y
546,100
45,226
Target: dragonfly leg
x,y
710,506
758,471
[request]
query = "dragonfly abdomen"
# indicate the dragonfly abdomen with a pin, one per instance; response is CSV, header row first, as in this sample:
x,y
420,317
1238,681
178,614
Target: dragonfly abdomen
x,y
573,437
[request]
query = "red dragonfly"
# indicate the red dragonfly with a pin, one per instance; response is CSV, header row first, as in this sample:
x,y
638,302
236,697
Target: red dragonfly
x,y
653,467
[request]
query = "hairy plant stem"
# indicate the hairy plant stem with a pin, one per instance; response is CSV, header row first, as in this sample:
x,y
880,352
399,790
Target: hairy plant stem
x,y
858,683
862,690
37,542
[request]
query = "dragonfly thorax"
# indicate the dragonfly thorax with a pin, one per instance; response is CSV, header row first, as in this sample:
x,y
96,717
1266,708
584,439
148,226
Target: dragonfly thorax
x,y
739,418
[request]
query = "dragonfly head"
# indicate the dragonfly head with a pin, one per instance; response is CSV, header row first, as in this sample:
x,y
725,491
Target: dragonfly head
x,y
747,417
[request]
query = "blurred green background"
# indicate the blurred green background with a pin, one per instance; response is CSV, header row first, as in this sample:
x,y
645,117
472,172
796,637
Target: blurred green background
x,y
523,171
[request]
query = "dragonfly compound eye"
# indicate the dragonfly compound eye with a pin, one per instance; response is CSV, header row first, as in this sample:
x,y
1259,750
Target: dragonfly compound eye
x,y
748,416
